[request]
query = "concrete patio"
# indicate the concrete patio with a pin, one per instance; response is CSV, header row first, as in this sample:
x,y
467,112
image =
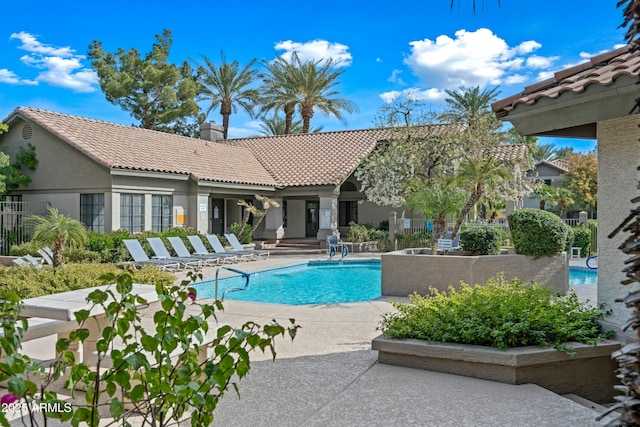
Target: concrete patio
x,y
329,376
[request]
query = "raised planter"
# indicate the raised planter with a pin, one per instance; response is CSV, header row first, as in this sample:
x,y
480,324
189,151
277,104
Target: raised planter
x,y
416,270
590,373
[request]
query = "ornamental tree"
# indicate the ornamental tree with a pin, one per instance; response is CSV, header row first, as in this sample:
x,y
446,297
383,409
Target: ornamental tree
x,y
582,180
159,94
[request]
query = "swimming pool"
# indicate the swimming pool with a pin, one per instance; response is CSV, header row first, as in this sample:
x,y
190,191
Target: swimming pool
x,y
325,282
312,283
582,276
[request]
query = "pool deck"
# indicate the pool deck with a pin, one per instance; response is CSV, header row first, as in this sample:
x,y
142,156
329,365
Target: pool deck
x,y
329,376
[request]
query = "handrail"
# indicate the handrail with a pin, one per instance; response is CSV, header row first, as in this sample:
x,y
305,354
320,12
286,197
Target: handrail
x,y
244,274
589,259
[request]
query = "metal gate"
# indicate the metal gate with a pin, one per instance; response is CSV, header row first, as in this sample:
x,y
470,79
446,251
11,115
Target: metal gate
x,y
13,229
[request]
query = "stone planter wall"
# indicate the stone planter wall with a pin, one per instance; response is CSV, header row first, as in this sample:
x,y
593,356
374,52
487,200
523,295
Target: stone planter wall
x,y
415,270
362,246
589,374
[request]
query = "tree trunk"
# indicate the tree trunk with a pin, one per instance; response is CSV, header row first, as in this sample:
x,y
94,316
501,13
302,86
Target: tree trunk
x,y
542,203
560,208
475,196
306,113
289,110
439,224
58,247
225,112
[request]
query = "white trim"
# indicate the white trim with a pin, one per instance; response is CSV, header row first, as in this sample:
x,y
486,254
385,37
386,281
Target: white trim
x,y
148,174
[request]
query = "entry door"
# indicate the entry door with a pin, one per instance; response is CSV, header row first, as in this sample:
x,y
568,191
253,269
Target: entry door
x,y
312,219
217,216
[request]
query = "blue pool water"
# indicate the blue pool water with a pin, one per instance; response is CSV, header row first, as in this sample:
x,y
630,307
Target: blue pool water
x,y
313,283
325,283
582,276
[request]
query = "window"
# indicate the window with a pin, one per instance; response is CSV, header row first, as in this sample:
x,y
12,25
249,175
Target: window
x,y
132,212
547,182
92,211
347,212
161,212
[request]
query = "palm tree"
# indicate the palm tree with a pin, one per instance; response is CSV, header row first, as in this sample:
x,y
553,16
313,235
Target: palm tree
x,y
468,105
543,193
437,199
226,86
316,81
477,175
276,125
58,231
561,197
280,89
544,152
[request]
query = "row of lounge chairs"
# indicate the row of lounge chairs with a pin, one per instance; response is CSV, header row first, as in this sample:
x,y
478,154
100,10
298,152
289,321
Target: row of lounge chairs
x,y
184,259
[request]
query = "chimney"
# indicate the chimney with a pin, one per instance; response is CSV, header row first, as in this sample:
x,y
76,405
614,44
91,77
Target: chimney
x,y
210,131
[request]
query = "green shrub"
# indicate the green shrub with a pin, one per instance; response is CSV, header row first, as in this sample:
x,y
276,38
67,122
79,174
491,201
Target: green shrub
x,y
27,248
76,255
359,233
31,282
381,237
235,229
593,226
582,239
569,237
414,240
499,314
538,233
384,225
109,245
483,240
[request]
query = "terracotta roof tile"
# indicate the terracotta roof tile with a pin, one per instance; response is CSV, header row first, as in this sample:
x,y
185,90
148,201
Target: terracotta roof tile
x,y
126,147
325,158
602,70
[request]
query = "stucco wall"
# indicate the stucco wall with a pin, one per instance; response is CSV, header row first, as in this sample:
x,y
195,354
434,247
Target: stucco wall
x,y
404,274
618,159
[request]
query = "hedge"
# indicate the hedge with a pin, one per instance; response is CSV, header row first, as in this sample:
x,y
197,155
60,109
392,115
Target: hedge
x,y
539,233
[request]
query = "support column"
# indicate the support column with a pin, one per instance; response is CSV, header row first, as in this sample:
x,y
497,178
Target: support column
x,y
273,222
393,225
328,217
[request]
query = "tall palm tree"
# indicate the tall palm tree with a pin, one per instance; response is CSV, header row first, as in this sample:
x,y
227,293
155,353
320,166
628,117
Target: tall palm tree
x,y
280,89
227,86
477,175
58,231
276,125
469,104
437,199
561,197
317,80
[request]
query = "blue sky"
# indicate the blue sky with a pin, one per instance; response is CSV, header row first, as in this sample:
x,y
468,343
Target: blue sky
x,y
386,48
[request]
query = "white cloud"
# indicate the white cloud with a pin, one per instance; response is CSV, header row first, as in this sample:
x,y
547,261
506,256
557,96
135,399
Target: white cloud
x,y
60,66
414,94
515,79
316,50
472,58
7,76
540,62
394,77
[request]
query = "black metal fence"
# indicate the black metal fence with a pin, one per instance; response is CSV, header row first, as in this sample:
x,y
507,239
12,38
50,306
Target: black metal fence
x,y
13,229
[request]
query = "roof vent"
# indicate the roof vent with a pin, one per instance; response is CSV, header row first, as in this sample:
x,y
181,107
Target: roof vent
x,y
27,131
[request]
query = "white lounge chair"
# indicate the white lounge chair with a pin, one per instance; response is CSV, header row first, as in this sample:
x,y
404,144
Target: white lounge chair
x,y
25,262
141,258
181,250
201,249
237,246
47,255
219,249
161,252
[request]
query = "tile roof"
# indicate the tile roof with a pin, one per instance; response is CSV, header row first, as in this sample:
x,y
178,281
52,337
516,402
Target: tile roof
x,y
601,70
560,164
509,152
326,158
127,147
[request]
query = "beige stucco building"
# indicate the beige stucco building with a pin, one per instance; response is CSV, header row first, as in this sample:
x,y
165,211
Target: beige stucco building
x,y
593,100
114,177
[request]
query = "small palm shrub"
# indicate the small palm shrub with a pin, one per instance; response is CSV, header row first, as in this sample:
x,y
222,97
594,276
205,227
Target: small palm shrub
x,y
483,240
538,233
502,314
582,239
